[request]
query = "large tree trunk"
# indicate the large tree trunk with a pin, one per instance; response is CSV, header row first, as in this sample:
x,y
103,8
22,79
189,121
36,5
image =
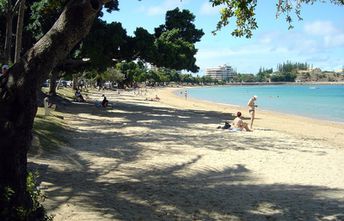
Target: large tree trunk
x,y
52,85
19,32
19,107
75,82
8,38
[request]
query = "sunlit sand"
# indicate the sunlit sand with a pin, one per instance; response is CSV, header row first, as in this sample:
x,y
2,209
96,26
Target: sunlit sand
x,y
165,160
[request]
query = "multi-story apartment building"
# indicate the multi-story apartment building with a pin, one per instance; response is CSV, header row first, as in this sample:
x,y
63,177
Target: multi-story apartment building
x,y
221,73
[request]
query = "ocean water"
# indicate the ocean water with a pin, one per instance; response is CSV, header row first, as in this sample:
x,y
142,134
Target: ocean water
x,y
316,101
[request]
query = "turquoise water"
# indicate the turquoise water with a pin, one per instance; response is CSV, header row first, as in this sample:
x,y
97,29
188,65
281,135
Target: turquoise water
x,y
315,101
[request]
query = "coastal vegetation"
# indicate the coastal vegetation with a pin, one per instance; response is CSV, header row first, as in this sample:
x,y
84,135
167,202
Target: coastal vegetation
x,y
133,74
290,72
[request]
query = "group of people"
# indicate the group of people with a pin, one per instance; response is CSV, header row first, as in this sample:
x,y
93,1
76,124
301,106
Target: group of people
x,y
80,98
238,123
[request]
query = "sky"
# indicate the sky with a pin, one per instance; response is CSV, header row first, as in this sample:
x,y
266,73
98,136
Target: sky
x,y
318,39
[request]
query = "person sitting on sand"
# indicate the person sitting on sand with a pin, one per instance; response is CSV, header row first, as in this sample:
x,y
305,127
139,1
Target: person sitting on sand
x,y
239,123
157,98
105,102
78,96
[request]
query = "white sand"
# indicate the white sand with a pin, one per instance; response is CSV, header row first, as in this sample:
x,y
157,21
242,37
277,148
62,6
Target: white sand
x,y
148,160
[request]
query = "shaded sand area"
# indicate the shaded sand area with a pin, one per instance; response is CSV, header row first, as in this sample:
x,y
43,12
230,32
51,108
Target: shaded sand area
x,y
148,160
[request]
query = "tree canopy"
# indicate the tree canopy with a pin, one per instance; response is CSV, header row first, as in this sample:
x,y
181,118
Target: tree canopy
x,y
183,21
244,13
175,41
102,44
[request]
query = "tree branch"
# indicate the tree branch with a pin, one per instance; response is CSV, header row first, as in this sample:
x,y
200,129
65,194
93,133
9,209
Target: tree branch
x,y
15,7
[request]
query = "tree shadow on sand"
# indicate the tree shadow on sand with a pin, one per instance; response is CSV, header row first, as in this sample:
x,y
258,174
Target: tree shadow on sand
x,y
160,194
123,190
168,125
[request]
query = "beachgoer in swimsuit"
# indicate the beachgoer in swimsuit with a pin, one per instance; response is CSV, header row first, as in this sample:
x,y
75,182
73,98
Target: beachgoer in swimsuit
x,y
252,109
239,124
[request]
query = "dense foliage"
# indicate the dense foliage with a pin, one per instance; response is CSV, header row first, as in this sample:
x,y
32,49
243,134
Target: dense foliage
x,y
36,212
132,74
289,66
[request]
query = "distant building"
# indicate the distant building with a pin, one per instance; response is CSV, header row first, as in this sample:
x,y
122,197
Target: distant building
x,y
316,71
339,71
221,73
310,70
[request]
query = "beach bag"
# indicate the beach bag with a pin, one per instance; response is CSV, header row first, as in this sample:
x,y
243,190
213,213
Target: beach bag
x,y
226,126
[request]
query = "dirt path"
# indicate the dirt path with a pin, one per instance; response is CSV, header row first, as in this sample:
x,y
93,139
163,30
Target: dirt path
x,y
143,160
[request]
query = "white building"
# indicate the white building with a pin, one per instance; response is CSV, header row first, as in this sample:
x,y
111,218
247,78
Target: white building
x,y
221,73
339,71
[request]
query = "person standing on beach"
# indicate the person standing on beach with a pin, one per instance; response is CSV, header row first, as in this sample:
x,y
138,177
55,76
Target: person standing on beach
x,y
186,94
252,109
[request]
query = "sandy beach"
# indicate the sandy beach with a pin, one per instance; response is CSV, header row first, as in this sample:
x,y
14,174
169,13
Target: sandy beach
x,y
328,131
165,160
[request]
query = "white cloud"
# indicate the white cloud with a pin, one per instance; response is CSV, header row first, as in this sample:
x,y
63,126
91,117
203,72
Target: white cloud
x,y
266,40
165,6
156,10
334,41
208,9
246,58
273,48
239,51
330,34
291,40
321,28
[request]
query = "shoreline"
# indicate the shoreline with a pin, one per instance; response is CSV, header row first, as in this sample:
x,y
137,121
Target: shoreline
x,y
283,83
300,126
260,110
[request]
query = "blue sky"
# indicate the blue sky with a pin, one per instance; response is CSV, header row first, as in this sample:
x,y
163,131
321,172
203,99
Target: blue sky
x,y
317,40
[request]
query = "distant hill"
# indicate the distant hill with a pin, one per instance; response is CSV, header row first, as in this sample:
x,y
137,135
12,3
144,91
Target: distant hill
x,y
318,75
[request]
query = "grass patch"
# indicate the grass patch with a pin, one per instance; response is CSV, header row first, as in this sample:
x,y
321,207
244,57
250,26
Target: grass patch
x,y
66,92
49,133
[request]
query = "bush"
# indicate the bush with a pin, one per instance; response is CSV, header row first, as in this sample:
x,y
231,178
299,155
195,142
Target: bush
x,y
35,213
